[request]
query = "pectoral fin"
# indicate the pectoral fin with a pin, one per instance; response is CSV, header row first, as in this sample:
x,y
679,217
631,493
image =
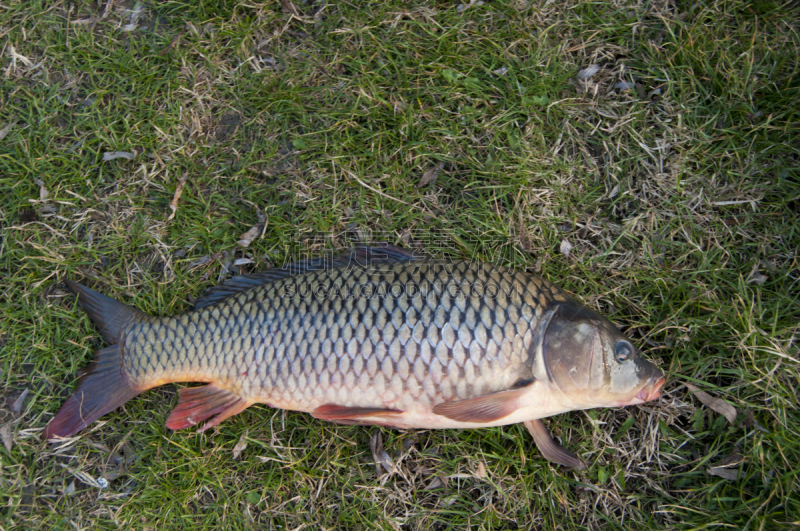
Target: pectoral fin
x,y
549,448
196,404
482,409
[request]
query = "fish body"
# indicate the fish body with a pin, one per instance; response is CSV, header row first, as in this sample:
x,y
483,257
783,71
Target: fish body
x,y
388,340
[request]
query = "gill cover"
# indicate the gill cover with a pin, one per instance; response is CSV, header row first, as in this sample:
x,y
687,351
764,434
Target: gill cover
x,y
573,350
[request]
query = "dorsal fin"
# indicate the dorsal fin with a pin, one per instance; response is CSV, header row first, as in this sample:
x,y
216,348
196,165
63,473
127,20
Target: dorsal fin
x,y
361,256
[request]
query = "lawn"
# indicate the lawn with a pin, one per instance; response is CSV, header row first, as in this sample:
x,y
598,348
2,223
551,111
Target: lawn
x,y
644,155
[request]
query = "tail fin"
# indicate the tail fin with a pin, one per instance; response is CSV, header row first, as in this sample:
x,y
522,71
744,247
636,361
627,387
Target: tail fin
x,y
108,315
102,386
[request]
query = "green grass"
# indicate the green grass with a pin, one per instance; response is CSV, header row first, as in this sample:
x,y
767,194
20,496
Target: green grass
x,y
676,195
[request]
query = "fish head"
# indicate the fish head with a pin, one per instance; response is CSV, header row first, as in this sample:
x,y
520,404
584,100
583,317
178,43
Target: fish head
x,y
594,364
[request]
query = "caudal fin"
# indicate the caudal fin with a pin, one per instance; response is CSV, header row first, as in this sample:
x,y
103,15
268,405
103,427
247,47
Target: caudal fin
x,y
101,389
108,315
102,386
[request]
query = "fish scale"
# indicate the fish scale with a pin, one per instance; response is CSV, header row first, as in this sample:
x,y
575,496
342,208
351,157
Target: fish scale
x,y
407,349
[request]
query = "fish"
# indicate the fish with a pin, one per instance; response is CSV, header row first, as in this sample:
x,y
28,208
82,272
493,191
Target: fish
x,y
374,336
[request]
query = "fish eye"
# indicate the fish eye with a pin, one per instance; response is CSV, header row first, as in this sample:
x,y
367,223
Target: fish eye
x,y
623,350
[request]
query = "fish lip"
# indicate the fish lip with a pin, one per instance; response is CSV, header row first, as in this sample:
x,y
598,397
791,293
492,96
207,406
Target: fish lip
x,y
651,391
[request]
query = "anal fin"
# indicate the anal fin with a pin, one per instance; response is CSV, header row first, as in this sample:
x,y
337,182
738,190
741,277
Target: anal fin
x,y
549,448
196,404
482,409
346,414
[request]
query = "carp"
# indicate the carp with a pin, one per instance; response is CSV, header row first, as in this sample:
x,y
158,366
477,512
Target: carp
x,y
373,336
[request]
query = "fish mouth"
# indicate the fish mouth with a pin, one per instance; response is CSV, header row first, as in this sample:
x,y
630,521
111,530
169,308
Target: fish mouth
x,y
651,391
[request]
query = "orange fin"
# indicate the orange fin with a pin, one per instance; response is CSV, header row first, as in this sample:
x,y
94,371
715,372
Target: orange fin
x,y
336,412
549,448
196,404
488,408
101,389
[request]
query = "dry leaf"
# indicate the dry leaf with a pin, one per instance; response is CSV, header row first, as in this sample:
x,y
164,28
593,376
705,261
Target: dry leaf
x,y
112,155
717,404
5,434
173,205
16,406
379,454
750,422
129,453
240,446
430,175
436,483
731,474
43,193
99,483
728,467
376,446
203,260
171,45
7,129
588,72
386,461
733,459
757,278
248,237
566,247
288,7
481,472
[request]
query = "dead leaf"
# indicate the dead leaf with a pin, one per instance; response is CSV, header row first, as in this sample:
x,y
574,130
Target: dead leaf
x,y
287,6
112,474
7,129
379,454
43,193
376,446
430,175
171,45
16,406
240,446
386,461
129,453
565,249
717,404
112,155
437,482
757,278
5,434
731,474
588,72
733,459
481,472
203,260
751,422
83,477
173,205
247,238
728,467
